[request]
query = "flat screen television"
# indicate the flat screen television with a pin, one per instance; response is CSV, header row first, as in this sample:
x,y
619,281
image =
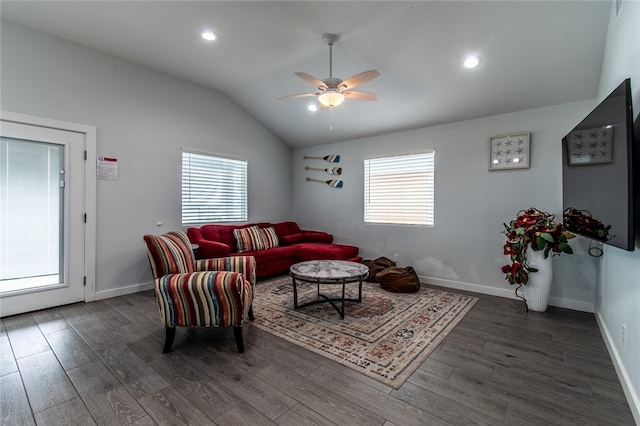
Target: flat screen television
x,y
597,173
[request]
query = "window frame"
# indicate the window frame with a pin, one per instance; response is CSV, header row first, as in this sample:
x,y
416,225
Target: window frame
x,y
240,214
429,220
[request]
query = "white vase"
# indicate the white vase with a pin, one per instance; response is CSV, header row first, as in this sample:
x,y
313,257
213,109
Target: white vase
x,y
539,286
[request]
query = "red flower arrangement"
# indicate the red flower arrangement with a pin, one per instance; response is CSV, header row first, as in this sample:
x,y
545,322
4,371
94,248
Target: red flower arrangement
x,y
537,229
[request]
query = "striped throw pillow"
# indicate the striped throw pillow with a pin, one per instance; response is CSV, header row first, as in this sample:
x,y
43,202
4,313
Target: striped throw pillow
x,y
270,237
249,239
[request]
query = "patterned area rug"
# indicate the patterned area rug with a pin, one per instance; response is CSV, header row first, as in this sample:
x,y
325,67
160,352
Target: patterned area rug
x,y
386,337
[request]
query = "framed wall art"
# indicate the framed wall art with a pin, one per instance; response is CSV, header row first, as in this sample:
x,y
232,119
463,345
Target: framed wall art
x,y
509,151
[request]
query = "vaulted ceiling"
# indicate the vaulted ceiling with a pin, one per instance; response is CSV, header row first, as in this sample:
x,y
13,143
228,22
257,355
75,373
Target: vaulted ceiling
x,y
533,54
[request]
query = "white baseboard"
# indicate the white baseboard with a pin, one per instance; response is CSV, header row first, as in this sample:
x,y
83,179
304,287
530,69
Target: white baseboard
x,y
575,305
507,292
476,288
627,386
122,291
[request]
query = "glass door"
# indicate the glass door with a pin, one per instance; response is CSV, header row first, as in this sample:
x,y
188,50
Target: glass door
x,y
32,215
41,217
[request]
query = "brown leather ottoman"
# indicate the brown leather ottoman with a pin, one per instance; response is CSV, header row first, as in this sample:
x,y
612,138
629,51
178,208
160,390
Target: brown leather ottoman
x,y
316,251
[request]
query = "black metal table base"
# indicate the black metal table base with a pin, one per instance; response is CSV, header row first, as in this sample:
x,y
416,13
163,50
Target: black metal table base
x,y
326,299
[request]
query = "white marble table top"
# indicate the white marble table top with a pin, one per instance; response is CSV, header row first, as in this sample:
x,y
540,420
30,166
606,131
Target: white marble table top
x,y
329,270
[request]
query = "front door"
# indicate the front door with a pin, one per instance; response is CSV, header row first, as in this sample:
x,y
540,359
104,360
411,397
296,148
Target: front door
x,y
41,217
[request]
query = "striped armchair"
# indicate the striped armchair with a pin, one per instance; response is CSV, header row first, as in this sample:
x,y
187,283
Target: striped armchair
x,y
203,293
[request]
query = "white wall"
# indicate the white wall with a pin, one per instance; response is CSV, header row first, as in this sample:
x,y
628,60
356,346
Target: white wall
x,y
464,249
619,289
143,118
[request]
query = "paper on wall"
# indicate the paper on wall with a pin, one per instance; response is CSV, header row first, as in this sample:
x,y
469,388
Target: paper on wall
x,y
107,168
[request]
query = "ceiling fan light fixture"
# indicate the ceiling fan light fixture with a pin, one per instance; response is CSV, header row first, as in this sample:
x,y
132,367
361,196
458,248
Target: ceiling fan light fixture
x,y
332,91
209,36
331,99
471,62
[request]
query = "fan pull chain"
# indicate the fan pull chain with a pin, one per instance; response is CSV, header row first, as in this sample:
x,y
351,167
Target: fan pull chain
x,y
330,118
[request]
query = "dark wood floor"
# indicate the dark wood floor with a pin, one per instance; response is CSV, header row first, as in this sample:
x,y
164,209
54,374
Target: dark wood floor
x,y
101,363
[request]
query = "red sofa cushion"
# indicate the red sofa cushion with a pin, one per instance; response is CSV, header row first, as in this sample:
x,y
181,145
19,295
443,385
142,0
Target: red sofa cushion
x,y
317,237
272,254
288,240
222,234
286,228
319,251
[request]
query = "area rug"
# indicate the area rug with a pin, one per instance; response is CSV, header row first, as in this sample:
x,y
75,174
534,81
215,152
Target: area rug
x,y
386,337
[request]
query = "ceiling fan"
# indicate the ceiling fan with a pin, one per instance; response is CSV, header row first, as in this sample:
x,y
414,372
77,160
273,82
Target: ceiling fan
x,y
333,91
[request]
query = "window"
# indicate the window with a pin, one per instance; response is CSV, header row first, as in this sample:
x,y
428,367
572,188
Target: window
x,y
32,214
214,189
399,189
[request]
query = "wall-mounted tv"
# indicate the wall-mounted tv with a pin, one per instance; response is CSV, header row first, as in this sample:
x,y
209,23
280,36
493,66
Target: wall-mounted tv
x,y
597,172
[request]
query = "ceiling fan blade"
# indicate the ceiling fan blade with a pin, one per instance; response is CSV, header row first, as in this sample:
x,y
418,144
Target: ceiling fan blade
x,y
360,96
311,79
358,79
300,95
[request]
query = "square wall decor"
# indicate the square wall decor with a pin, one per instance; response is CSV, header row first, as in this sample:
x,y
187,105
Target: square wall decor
x,y
509,151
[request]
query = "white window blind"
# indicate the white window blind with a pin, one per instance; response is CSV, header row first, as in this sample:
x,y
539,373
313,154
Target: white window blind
x,y
214,189
399,189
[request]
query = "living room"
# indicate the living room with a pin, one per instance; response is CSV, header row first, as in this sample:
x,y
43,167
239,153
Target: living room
x,y
144,117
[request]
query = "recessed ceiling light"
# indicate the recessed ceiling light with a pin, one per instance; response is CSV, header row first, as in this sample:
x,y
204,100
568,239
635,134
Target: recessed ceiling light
x,y
209,36
471,62
312,107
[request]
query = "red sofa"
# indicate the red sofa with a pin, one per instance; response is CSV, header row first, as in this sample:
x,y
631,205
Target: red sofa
x,y
294,245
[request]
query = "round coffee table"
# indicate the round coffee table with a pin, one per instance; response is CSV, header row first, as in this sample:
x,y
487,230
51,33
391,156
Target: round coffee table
x,y
328,272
